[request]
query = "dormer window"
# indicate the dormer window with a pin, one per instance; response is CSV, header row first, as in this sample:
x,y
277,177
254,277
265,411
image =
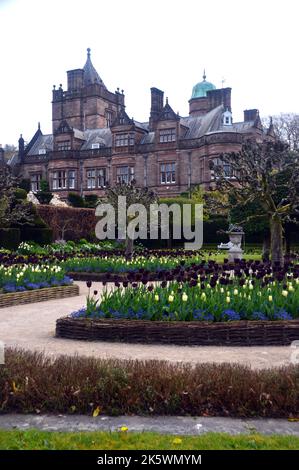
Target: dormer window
x,y
227,118
95,146
42,151
167,135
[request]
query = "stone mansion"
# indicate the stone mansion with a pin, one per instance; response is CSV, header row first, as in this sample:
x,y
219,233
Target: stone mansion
x,y
95,143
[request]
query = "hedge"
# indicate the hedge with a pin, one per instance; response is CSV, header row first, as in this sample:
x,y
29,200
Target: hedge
x,y
10,238
42,236
78,222
31,382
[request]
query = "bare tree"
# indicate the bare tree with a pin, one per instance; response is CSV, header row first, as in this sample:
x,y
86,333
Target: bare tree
x,y
286,128
133,195
267,174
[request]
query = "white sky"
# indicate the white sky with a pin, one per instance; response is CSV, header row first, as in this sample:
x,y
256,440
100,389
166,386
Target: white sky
x,y
137,44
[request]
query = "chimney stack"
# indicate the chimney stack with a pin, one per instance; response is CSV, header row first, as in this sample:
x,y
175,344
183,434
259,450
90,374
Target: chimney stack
x,y
157,101
250,114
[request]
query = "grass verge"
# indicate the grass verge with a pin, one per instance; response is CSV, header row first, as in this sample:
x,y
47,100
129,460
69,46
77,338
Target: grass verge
x,y
42,440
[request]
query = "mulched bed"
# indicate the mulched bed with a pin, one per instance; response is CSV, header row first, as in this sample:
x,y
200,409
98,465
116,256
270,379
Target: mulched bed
x,y
238,333
38,295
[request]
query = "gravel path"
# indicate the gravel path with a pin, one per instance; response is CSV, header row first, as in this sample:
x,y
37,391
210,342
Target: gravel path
x,y
163,424
33,326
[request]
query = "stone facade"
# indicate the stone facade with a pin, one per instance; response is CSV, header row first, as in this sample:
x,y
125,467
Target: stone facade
x,y
94,142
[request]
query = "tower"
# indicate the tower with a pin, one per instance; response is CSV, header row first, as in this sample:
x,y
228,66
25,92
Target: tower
x,y
87,103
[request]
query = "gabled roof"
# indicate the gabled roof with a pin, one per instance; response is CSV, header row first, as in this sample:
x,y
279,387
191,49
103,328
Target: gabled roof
x,y
168,114
33,140
122,119
90,74
43,142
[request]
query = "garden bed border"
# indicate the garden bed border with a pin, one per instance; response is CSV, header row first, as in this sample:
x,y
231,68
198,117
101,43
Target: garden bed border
x,y
193,333
38,295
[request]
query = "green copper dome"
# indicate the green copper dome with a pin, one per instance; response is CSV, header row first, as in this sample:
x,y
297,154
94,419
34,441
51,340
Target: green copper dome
x,y
200,89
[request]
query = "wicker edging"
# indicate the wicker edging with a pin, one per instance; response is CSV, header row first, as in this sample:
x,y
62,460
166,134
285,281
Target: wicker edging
x,y
239,333
38,295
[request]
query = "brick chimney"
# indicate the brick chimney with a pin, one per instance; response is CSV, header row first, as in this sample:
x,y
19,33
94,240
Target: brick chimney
x,y
157,99
250,114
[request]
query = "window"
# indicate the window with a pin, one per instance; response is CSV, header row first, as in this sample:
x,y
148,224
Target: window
x,y
95,146
42,151
91,179
167,173
109,118
64,145
124,174
72,179
167,135
227,169
123,140
59,179
102,181
35,182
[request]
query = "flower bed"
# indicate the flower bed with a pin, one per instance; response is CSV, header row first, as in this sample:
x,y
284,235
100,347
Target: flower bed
x,y
206,304
194,333
30,277
38,295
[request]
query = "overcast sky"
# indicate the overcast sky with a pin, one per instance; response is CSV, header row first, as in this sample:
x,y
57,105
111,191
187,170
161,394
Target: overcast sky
x,y
137,44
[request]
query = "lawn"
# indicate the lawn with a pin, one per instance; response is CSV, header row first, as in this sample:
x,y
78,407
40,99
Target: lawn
x,y
42,440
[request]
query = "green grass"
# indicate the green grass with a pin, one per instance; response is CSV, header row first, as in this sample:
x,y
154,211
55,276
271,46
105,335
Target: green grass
x,y
42,440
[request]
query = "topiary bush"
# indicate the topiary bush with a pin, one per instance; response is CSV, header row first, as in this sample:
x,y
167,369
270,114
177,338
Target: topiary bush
x,y
75,200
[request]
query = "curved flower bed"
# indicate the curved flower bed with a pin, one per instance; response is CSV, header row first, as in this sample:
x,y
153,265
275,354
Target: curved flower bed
x,y
212,304
29,277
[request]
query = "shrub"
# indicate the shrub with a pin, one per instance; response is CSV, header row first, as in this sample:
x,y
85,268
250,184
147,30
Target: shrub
x,y
44,197
25,184
76,200
91,200
20,194
32,381
10,238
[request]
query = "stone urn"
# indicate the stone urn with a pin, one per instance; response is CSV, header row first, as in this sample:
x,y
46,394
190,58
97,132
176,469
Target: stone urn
x,y
235,237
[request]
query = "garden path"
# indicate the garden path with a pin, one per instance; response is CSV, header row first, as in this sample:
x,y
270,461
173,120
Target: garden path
x,y
32,327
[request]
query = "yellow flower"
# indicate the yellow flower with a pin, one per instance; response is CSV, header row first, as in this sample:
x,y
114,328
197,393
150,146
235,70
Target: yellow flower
x,y
285,293
221,290
177,441
236,292
228,300
203,296
124,429
291,288
250,287
270,298
170,298
157,298
184,297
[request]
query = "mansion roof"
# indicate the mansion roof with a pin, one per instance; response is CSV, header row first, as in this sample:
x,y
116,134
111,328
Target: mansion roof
x,y
196,127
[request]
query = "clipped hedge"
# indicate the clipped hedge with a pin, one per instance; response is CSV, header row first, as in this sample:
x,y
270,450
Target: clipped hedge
x,y
78,222
42,236
31,381
10,238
